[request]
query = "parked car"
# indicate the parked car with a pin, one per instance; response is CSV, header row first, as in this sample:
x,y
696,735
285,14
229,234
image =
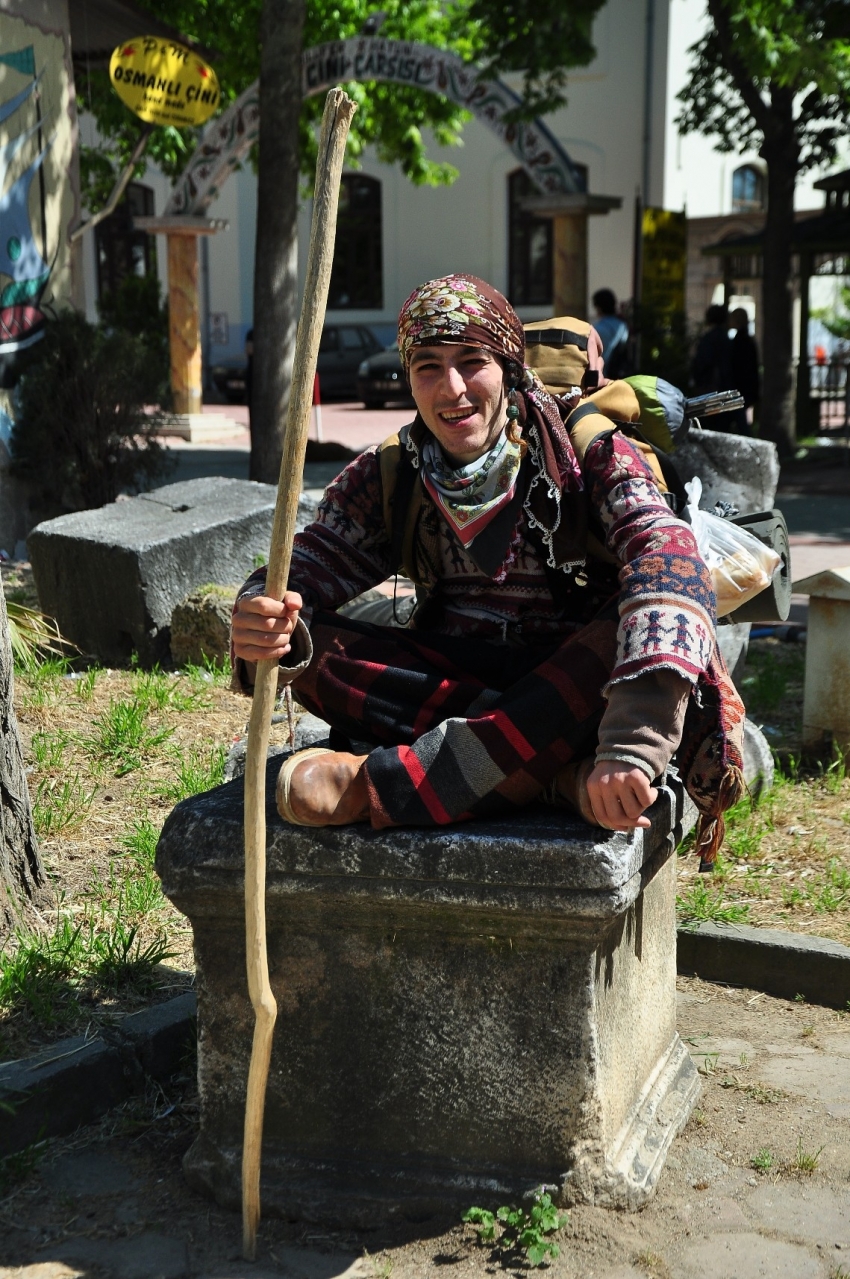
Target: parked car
x,y
229,379
381,380
341,352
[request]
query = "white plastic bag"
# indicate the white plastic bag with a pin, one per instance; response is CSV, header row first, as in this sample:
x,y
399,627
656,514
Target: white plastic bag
x,y
740,565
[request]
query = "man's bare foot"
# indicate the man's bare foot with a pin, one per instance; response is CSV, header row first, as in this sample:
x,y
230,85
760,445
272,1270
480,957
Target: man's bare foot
x,y
326,788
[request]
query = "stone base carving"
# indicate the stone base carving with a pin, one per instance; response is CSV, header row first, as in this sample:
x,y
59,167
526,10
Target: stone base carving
x,y
464,1013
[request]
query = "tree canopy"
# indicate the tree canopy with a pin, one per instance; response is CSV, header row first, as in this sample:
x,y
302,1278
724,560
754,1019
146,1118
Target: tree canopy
x,y
757,52
541,41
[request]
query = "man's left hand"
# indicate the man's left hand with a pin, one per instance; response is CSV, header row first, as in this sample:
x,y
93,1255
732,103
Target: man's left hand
x,y
619,794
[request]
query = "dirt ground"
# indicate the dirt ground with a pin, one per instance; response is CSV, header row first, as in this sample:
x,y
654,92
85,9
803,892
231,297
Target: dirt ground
x,y
757,1184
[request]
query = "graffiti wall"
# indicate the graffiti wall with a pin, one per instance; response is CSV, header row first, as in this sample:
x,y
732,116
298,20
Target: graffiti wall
x,y
39,191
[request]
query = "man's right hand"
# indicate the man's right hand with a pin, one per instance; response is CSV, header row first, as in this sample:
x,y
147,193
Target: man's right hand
x,y
261,627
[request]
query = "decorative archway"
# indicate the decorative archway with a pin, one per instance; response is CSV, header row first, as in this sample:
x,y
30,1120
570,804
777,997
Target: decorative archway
x,y
227,140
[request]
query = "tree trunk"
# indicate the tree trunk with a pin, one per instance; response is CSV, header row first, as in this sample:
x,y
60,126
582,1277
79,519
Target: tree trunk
x,y
276,262
22,874
780,150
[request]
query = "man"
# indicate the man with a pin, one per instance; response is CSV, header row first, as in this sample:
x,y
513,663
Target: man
x,y
746,377
711,367
531,670
613,331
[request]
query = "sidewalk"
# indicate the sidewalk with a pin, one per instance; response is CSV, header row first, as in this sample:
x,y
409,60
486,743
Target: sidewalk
x,y
756,1185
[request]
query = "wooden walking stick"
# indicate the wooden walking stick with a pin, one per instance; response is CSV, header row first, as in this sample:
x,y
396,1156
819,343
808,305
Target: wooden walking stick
x,y
335,124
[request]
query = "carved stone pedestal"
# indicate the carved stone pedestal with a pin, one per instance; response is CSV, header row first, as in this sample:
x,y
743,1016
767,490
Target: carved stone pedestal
x,y
464,1013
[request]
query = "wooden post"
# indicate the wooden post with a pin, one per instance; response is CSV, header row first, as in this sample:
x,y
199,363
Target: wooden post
x,y
569,251
336,120
184,322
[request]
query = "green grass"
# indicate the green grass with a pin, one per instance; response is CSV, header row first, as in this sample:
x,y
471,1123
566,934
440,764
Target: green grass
x,y
805,1160
198,770
702,903
48,749
60,805
763,1161
156,691
122,737
43,681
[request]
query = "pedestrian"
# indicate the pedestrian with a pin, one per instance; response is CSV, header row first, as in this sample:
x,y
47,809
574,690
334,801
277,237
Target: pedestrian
x,y
711,367
613,331
746,377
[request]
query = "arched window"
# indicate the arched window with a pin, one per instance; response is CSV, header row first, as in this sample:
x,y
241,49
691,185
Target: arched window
x,y
529,247
747,189
357,279
120,250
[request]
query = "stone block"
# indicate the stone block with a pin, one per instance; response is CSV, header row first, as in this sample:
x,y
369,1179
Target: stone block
x,y
112,576
464,1012
200,625
733,468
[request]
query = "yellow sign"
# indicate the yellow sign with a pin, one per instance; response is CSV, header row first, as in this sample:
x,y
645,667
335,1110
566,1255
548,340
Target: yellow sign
x,y
164,82
664,259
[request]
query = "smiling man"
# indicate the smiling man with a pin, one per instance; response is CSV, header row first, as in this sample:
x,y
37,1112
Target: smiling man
x,y
531,670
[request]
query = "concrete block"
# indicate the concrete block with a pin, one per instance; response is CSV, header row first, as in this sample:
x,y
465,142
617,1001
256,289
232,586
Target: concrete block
x,y
111,577
733,468
464,1012
769,959
200,625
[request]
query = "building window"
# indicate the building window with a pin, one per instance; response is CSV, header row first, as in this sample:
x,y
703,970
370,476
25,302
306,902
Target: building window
x,y
529,247
747,189
121,251
357,280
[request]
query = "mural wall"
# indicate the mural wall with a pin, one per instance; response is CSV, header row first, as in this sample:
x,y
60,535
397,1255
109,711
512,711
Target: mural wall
x,y
39,187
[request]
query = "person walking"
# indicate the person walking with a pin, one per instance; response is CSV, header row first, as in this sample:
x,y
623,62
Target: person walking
x,y
746,377
711,367
614,333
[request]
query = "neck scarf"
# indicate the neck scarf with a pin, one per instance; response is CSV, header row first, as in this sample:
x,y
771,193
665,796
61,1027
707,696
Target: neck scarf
x,y
463,310
470,496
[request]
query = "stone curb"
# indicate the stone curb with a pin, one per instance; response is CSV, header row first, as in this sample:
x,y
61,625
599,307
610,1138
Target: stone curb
x,y
768,959
76,1081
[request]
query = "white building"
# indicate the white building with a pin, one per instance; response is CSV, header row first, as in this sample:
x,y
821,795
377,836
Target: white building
x,y
619,124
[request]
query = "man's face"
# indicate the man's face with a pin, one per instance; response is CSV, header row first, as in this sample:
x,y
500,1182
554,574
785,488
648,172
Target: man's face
x,y
460,394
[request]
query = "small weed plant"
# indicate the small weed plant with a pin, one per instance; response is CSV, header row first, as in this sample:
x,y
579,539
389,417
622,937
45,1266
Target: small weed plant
x,y
511,1230
196,771
763,1161
59,806
805,1161
701,903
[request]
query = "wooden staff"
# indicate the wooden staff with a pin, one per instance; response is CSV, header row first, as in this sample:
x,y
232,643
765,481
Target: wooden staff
x,y
335,124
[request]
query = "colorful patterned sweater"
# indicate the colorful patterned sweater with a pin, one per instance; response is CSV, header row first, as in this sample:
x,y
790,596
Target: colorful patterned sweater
x,y
666,601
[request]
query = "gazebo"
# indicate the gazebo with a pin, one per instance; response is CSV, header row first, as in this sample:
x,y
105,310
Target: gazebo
x,y
821,244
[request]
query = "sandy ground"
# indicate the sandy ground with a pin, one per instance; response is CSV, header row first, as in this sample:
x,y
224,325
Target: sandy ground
x,y
112,1201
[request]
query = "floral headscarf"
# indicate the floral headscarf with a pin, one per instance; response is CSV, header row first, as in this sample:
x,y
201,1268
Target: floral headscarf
x,y
463,310
460,309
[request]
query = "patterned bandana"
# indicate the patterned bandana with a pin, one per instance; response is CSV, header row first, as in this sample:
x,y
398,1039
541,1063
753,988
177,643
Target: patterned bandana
x,y
472,495
463,310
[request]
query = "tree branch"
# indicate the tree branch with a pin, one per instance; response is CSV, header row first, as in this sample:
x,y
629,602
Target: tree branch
x,y
741,78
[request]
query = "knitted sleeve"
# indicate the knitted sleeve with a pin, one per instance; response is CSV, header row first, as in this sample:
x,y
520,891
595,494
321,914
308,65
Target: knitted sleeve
x,y
667,604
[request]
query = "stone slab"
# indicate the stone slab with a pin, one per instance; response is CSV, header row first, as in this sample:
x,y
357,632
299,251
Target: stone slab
x,y
808,1212
769,959
733,468
112,576
144,1256
77,1080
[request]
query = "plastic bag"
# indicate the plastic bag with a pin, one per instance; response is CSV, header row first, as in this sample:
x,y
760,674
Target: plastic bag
x,y
740,565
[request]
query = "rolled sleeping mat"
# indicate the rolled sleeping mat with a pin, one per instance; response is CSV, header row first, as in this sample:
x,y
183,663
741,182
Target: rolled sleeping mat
x,y
773,604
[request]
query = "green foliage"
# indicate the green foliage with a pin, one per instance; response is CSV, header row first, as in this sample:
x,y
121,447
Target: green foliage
x,y
701,903
763,1161
514,1230
805,1160
137,308
197,771
122,737
542,42
60,805
753,53
33,634
154,690
210,672
82,434
836,322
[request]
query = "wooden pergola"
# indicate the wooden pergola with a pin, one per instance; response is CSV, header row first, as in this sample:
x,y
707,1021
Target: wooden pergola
x,y
821,244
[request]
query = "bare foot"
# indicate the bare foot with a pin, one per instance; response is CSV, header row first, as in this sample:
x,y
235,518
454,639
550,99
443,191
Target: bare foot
x,y
327,790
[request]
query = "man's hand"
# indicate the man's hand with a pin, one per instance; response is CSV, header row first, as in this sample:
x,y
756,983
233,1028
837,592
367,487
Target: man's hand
x,y
261,626
618,794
